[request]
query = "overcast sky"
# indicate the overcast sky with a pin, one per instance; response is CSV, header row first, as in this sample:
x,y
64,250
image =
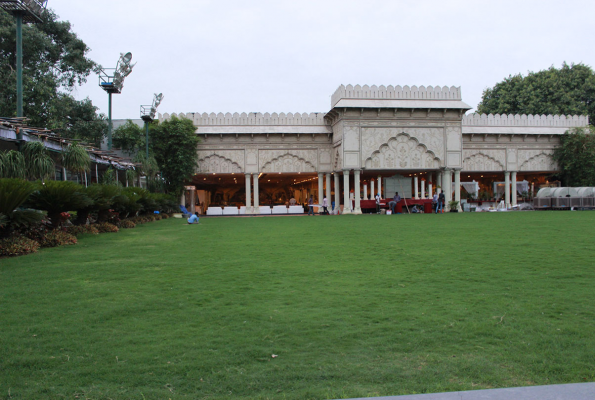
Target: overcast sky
x,y
290,56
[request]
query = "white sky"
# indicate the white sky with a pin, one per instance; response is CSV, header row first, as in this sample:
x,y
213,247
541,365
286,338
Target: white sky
x,y
290,56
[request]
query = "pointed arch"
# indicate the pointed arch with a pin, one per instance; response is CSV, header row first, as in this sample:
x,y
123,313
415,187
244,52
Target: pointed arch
x,y
402,152
482,162
288,162
215,163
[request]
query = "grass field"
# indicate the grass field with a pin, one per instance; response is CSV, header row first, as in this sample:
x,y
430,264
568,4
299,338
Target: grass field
x,y
351,307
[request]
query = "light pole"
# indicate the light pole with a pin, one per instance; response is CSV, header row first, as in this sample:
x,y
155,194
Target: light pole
x,y
27,11
147,113
112,81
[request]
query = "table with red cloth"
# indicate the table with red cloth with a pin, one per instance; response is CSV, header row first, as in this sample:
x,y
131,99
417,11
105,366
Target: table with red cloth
x,y
400,207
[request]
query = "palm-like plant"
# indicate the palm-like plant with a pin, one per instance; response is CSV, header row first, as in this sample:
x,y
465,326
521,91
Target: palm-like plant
x,y
57,197
12,165
103,197
13,193
76,159
38,160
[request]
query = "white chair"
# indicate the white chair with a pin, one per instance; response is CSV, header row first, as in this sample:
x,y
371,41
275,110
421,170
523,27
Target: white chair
x,y
279,210
265,210
295,210
214,211
230,211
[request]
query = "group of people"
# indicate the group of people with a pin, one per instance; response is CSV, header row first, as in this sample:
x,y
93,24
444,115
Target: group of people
x,y
438,201
324,206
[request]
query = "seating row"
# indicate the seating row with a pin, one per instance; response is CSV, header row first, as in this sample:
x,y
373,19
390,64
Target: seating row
x,y
264,210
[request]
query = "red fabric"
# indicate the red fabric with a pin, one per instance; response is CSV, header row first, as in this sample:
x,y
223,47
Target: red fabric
x,y
400,207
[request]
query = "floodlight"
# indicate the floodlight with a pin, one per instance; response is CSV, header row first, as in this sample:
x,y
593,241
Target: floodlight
x,y
147,113
30,10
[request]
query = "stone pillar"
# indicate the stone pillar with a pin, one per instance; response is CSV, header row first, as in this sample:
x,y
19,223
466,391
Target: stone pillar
x,y
513,192
447,181
458,187
380,186
337,193
507,189
346,201
328,189
365,191
430,193
256,194
320,188
183,198
439,179
357,209
423,189
415,187
248,194
192,202
372,192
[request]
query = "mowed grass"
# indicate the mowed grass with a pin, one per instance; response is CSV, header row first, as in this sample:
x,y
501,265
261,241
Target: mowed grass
x,y
350,306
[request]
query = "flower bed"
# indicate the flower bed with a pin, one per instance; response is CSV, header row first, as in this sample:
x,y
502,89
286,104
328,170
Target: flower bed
x,y
17,246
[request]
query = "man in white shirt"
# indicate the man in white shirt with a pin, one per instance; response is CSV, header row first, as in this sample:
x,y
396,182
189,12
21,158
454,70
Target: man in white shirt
x,y
377,203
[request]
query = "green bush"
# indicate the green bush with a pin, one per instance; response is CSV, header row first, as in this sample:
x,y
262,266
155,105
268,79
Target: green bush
x,y
57,197
17,246
78,230
127,224
57,238
106,227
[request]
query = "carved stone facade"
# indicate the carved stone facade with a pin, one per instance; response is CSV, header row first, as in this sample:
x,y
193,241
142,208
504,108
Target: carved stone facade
x,y
388,129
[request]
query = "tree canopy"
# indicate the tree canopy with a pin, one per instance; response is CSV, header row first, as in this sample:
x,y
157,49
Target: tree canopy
x,y
129,137
54,62
569,90
174,145
576,157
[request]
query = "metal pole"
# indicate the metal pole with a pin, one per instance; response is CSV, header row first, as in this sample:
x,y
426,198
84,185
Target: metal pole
x,y
19,20
109,128
147,138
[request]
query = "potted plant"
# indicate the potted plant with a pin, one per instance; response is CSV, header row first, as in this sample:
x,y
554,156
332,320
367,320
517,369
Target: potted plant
x,y
453,205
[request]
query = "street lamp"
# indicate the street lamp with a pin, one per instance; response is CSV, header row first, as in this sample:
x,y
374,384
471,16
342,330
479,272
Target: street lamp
x,y
147,113
27,11
112,81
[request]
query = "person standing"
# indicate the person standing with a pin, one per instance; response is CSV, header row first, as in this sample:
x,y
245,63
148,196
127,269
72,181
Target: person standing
x,y
325,206
377,197
441,200
311,206
435,202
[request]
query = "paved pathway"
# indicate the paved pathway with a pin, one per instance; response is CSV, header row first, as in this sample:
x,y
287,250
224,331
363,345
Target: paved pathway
x,y
571,391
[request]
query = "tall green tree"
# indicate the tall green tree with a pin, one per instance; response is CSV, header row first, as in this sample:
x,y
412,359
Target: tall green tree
x,y
174,146
576,157
54,62
568,90
129,137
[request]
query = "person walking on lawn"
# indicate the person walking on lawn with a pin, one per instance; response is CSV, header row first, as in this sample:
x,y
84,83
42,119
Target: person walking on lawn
x,y
311,206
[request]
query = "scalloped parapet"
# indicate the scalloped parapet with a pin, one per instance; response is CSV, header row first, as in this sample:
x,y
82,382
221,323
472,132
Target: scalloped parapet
x,y
525,120
396,93
250,118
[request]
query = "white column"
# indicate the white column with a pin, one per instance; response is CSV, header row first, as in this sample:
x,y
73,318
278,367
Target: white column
x,y
192,202
532,189
423,189
357,209
256,194
346,201
380,186
458,187
513,189
97,175
447,181
372,192
365,191
337,193
415,187
320,188
183,199
439,179
328,189
248,194
507,189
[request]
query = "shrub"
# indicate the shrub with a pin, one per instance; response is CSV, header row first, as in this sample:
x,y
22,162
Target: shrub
x,y
57,238
17,245
78,230
127,224
164,216
158,217
106,227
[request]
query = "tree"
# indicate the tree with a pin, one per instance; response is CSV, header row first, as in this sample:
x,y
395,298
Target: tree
x,y
76,159
576,157
174,145
54,62
569,90
129,137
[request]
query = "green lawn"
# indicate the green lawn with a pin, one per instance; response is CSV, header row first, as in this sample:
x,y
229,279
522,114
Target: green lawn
x,y
352,306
